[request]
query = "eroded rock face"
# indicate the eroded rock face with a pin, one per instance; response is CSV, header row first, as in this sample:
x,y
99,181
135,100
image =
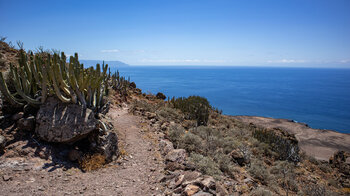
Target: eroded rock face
x,y
177,155
2,143
63,123
105,143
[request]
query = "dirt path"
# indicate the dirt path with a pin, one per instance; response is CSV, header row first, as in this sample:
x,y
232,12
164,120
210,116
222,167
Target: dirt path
x,y
137,173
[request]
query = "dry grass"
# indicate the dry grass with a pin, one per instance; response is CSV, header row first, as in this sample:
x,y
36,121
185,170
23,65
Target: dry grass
x,y
92,162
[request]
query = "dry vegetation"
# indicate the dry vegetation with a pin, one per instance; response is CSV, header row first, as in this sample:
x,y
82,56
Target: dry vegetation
x,y
227,149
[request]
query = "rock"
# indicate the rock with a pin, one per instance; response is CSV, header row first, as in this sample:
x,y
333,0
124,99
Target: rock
x,y
165,146
64,123
2,143
75,155
17,116
177,155
173,166
26,124
160,96
105,143
132,85
6,177
209,182
220,189
201,193
191,189
238,157
150,115
338,160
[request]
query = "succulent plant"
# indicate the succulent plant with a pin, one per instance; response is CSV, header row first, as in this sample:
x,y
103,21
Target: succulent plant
x,y
38,77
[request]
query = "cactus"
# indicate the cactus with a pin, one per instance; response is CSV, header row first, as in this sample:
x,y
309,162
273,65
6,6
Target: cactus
x,y
36,78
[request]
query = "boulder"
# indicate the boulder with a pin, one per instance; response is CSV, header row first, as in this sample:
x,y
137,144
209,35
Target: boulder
x,y
64,123
177,155
26,124
105,143
160,96
201,193
2,143
191,189
238,157
17,116
132,85
209,182
165,146
221,190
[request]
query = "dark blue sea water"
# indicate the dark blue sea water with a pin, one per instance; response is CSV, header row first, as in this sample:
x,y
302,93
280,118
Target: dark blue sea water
x,y
318,97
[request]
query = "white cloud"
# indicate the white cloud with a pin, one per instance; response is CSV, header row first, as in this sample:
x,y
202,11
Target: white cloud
x,y
180,61
110,51
344,61
287,61
170,61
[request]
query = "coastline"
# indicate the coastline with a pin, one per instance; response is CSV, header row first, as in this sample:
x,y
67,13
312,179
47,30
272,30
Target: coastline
x,y
318,143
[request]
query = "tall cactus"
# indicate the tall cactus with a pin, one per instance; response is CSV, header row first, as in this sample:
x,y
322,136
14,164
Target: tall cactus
x,y
37,78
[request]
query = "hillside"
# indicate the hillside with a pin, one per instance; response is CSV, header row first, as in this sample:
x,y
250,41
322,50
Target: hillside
x,y
113,139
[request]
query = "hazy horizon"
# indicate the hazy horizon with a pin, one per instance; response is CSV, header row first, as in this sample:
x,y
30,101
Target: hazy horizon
x,y
291,33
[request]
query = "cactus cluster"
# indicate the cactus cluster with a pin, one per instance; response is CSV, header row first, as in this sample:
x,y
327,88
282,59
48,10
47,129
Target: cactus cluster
x,y
119,83
38,77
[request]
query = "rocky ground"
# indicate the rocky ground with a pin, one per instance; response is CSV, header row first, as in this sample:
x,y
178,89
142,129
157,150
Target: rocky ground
x,y
136,172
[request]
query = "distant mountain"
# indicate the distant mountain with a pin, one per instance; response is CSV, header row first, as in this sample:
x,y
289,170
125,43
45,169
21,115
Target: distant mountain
x,y
89,63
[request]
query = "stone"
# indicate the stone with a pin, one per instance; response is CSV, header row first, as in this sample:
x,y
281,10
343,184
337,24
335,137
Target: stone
x,y
6,177
17,116
220,189
150,115
2,143
75,155
201,193
209,182
191,190
132,85
173,166
160,96
238,157
64,123
26,124
105,143
165,146
177,155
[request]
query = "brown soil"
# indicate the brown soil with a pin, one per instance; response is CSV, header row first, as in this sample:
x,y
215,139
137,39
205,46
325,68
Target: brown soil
x,y
137,172
320,144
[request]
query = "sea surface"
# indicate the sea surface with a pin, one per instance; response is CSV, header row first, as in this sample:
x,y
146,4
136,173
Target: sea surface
x,y
318,97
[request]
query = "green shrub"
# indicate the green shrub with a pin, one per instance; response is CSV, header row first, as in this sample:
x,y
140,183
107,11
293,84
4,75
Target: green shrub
x,y
175,134
205,165
194,107
225,163
191,142
260,191
259,171
169,114
142,105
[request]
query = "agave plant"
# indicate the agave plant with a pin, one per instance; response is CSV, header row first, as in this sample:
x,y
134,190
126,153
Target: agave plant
x,y
38,77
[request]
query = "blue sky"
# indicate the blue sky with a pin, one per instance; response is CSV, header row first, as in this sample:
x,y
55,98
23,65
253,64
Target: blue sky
x,y
186,32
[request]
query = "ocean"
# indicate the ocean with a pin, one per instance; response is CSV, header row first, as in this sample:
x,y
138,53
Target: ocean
x,y
319,97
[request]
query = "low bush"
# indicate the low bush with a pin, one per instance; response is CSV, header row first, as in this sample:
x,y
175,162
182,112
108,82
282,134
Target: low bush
x,y
175,134
169,114
191,142
259,171
205,164
260,191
